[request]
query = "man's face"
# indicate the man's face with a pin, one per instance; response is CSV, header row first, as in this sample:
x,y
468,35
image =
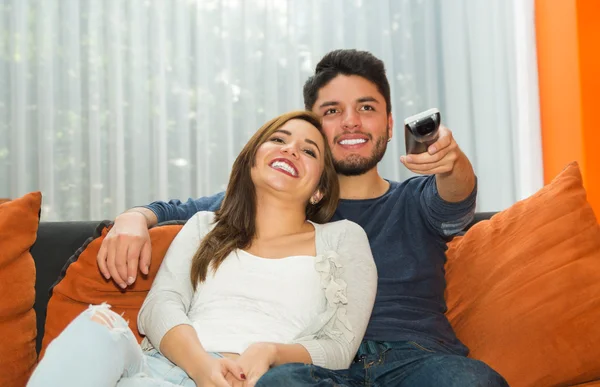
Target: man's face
x,y
355,122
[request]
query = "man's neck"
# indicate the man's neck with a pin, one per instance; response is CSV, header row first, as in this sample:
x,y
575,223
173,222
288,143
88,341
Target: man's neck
x,y
366,186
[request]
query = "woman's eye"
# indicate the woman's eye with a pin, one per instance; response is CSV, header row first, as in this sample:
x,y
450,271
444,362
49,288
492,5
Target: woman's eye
x,y
310,152
277,139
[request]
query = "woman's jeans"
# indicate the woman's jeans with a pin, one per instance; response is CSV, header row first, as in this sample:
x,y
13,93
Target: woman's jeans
x,y
89,353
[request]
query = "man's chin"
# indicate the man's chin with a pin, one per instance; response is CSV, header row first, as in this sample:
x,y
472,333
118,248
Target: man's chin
x,y
355,166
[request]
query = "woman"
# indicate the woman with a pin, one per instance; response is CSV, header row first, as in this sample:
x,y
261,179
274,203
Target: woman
x,y
257,284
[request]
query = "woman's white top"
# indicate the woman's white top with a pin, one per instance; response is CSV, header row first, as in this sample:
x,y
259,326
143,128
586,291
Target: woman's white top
x,y
323,302
252,299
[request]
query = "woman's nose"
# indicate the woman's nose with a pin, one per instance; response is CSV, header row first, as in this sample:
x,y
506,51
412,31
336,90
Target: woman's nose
x,y
291,149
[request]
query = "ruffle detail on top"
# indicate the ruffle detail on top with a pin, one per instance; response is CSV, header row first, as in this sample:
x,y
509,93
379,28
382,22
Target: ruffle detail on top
x,y
328,265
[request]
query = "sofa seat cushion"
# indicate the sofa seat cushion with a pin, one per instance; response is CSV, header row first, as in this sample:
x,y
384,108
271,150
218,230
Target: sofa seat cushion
x,y
81,284
524,287
18,227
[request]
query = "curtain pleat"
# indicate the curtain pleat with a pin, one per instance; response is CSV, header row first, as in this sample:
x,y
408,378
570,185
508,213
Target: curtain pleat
x,y
105,105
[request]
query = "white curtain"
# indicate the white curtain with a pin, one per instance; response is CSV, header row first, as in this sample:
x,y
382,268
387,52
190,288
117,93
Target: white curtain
x,y
109,104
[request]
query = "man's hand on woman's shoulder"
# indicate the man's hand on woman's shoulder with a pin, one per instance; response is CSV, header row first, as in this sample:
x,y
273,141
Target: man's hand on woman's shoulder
x,y
126,247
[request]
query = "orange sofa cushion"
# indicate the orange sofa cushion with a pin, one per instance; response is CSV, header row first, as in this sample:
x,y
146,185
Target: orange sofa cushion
x,y
83,284
18,230
524,287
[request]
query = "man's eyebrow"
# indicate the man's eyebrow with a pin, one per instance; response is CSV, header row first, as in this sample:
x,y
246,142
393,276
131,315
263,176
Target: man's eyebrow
x,y
328,103
359,100
367,99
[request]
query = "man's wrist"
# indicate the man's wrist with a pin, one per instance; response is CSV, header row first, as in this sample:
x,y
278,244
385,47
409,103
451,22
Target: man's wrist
x,y
142,212
457,165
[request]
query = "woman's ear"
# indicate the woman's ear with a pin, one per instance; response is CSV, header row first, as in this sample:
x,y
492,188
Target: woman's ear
x,y
316,197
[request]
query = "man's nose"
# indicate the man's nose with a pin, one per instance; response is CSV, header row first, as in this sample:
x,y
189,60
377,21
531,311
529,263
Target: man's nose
x,y
351,120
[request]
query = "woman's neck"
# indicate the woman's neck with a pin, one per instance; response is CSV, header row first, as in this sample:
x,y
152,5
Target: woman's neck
x,y
277,217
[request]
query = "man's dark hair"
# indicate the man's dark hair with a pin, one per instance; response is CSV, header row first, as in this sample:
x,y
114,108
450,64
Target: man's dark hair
x,y
347,62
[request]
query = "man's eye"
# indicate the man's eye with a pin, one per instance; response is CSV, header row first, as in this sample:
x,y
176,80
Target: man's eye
x,y
367,107
310,152
330,111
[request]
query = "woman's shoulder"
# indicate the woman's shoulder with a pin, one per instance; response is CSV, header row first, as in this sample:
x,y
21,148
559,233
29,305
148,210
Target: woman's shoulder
x,y
341,231
204,216
202,220
342,226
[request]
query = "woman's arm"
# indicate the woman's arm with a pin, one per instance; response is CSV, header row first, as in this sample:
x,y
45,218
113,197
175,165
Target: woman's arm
x,y
276,354
170,296
163,316
290,353
182,347
259,357
354,289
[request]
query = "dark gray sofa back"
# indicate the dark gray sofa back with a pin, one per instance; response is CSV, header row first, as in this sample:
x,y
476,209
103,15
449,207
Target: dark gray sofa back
x,y
55,244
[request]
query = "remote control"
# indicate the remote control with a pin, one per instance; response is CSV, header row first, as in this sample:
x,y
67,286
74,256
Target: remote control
x,y
421,130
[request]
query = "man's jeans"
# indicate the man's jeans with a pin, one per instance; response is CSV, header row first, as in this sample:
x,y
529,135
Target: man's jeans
x,y
391,364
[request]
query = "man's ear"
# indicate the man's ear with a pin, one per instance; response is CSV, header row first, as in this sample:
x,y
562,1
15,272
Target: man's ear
x,y
390,127
316,197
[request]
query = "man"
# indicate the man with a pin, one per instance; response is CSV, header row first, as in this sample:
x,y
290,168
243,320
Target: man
x,y
409,341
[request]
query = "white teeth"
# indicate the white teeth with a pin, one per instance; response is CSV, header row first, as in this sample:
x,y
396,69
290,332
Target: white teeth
x,y
353,141
285,166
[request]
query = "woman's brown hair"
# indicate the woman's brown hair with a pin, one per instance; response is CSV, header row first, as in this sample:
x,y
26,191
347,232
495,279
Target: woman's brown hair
x,y
235,220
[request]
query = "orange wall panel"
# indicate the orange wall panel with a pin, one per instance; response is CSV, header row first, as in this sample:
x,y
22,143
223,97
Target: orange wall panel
x,y
556,30
568,45
589,76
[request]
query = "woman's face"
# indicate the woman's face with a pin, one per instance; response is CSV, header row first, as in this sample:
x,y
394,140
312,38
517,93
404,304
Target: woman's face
x,y
290,161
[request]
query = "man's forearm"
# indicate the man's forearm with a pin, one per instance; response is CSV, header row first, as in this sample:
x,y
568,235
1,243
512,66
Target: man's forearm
x,y
151,219
457,184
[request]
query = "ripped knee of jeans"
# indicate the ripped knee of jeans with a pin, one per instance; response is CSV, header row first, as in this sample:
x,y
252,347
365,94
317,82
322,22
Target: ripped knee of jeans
x,y
102,315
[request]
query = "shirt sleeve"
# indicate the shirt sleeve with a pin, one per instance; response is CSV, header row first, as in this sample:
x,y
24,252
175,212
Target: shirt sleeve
x,y
334,348
169,299
445,218
176,210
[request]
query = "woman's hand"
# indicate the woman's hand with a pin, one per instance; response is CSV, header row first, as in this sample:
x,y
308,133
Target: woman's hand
x,y
256,361
213,372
